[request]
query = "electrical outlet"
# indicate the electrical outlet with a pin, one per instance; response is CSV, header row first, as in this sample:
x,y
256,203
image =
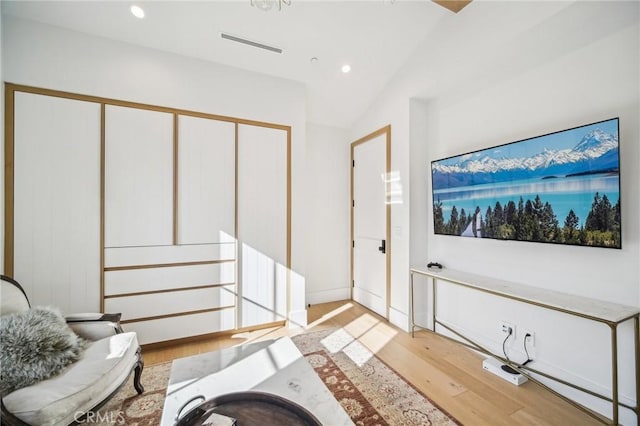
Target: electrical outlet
x,y
505,326
530,338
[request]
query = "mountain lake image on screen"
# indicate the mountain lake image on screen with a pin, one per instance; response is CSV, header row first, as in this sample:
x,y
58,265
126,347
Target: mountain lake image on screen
x,y
562,187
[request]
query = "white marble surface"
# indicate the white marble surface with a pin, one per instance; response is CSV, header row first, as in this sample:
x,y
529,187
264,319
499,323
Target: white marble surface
x,y
593,308
274,366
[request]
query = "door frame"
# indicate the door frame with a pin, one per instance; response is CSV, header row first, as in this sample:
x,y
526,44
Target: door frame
x,y
386,130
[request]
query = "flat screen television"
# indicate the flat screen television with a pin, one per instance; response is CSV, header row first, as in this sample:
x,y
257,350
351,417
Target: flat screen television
x,y
562,187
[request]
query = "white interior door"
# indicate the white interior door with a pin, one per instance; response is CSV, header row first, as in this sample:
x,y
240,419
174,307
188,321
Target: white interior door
x,y
370,224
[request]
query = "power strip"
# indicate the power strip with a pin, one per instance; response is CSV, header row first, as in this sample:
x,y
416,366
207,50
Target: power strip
x,y
494,366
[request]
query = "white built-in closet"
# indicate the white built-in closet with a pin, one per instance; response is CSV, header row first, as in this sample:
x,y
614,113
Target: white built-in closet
x,y
179,220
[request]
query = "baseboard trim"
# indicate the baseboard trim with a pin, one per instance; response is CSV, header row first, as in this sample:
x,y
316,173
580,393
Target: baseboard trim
x,y
298,319
399,319
325,296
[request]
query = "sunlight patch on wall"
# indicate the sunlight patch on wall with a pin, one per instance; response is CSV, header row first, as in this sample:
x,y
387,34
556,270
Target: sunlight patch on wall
x,y
393,183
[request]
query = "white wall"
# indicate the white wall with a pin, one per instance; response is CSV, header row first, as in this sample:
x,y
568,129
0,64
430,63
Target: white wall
x,y
327,206
49,57
500,72
418,199
1,150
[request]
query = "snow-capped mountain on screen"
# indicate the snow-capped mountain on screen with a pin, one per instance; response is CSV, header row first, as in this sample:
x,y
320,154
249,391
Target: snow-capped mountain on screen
x,y
597,152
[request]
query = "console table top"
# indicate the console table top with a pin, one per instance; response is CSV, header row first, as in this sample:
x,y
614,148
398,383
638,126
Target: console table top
x,y
594,309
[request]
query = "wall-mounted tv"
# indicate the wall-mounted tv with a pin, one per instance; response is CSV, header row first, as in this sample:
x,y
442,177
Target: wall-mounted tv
x,y
562,187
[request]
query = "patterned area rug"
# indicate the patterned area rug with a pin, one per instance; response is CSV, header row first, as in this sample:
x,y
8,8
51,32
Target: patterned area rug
x,y
369,390
130,409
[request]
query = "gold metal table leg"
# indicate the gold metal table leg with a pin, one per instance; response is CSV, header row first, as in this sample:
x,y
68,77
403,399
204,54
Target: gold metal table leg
x,y
433,304
636,338
413,309
614,372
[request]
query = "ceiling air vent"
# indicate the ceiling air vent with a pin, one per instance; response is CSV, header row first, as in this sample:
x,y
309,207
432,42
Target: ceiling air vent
x,y
250,43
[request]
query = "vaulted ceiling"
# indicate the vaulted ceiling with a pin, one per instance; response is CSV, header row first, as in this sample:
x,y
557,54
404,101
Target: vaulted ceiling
x,y
375,37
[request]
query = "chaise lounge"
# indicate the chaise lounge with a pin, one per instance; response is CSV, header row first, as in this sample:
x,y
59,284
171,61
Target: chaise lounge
x,y
101,363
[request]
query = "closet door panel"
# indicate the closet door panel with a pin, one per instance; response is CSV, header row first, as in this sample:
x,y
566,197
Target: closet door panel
x,y
57,201
206,181
262,223
138,177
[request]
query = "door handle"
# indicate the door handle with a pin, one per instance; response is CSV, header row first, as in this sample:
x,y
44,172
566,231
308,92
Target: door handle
x,y
383,247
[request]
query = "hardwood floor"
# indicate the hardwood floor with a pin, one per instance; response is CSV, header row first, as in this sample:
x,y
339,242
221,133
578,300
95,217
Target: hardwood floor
x,y
448,373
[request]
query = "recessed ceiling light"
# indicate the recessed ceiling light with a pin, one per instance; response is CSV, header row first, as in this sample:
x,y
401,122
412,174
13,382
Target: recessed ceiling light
x,y
346,68
314,60
137,11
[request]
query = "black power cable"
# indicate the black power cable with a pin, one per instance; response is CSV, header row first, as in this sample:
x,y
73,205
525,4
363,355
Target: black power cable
x,y
504,351
505,367
524,343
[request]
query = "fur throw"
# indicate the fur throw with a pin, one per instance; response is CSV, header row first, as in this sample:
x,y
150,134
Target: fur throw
x,y
36,344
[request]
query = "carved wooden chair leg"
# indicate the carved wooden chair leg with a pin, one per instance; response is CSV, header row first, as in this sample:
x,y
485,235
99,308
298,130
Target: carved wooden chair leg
x,y
138,373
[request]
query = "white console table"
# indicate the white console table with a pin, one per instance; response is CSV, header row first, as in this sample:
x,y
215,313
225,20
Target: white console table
x,y
611,314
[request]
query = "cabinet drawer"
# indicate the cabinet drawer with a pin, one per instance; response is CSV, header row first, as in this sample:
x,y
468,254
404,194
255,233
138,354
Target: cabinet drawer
x,y
150,305
134,256
167,278
183,326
